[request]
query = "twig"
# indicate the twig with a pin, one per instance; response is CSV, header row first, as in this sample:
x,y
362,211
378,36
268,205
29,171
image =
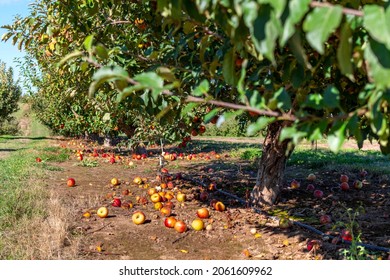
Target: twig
x,y
99,228
348,11
181,237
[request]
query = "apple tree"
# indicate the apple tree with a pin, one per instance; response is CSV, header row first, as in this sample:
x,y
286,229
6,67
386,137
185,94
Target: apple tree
x,y
299,69
10,93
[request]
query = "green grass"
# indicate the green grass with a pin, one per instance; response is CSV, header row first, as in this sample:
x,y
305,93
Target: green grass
x,y
23,195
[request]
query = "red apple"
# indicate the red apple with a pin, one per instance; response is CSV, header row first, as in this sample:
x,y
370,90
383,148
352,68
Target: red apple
x,y
197,224
344,178
313,244
180,226
318,194
346,235
203,196
344,186
71,182
38,159
325,219
117,202
138,217
310,187
203,213
363,173
170,222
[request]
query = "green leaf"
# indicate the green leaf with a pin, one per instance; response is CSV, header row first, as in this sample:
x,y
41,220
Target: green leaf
x,y
101,51
88,43
378,58
320,23
69,57
282,100
297,10
260,124
107,74
278,5
292,133
202,89
314,100
298,50
344,51
336,137
166,74
331,97
228,68
377,22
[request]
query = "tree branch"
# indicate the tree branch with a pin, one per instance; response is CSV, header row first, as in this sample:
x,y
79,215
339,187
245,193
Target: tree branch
x,y
347,11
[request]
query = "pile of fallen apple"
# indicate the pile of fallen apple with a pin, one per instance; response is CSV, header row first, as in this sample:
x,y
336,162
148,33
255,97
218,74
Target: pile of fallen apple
x,y
163,195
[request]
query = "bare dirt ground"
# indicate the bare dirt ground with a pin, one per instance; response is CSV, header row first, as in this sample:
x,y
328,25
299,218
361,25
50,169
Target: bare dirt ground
x,y
237,233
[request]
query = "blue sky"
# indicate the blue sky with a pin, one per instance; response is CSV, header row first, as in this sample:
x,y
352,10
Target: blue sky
x,y
8,10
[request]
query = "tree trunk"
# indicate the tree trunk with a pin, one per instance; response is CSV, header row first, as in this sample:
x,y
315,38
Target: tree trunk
x,y
272,165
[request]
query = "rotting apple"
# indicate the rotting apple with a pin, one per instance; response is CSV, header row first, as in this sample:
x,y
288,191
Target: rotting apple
x,y
203,213
325,219
102,212
166,211
294,184
357,184
180,226
197,224
219,206
284,223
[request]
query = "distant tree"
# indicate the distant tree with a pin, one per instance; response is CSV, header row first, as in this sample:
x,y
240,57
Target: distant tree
x,y
10,93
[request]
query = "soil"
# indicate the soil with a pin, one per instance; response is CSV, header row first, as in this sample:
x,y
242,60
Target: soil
x,y
239,232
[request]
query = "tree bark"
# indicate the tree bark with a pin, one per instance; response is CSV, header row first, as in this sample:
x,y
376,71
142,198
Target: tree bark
x,y
272,165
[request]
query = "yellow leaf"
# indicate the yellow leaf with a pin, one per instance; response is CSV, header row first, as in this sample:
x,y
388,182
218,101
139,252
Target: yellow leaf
x,y
285,242
257,235
246,253
98,248
184,251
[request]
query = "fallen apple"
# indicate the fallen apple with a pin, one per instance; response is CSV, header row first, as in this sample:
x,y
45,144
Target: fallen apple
x,y
114,181
310,188
311,177
294,184
344,186
318,194
158,206
344,178
284,223
166,211
219,206
357,184
71,182
346,235
137,180
138,217
155,198
197,224
181,197
203,213
180,226
325,219
102,212
117,202
170,222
